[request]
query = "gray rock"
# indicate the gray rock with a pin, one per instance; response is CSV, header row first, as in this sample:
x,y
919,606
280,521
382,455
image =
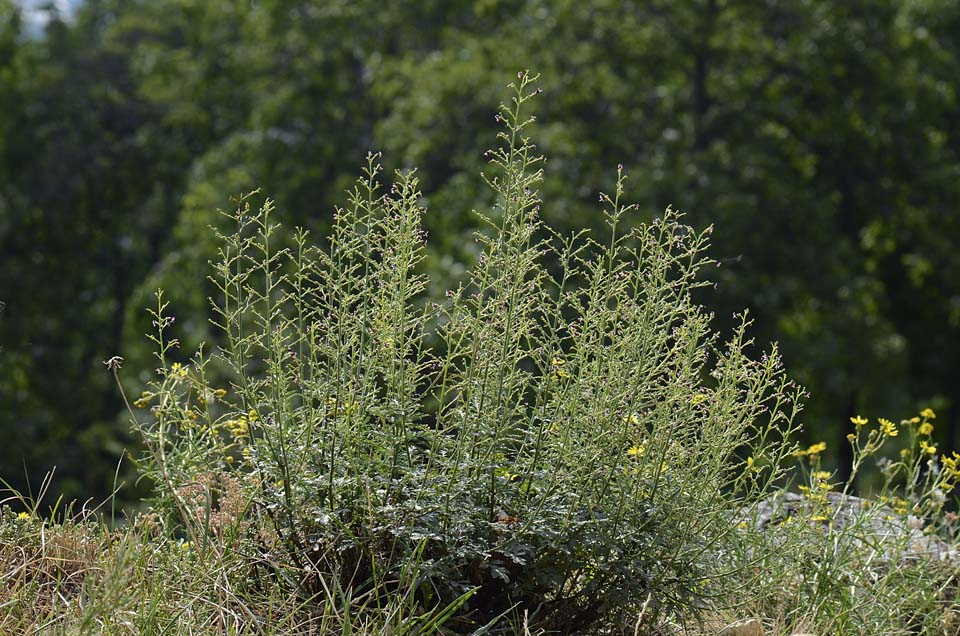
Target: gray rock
x,y
871,524
746,627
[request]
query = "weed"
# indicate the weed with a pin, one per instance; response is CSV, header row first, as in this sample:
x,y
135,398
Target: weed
x,y
566,448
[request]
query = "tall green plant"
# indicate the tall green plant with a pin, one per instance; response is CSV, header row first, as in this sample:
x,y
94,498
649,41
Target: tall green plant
x,y
564,448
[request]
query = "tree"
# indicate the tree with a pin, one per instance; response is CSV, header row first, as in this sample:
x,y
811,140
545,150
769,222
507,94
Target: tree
x,y
818,137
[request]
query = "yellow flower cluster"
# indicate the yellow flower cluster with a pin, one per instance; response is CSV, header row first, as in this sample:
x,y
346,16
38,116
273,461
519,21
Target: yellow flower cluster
x,y
925,428
816,494
924,494
900,505
886,429
813,451
951,466
558,371
240,427
144,399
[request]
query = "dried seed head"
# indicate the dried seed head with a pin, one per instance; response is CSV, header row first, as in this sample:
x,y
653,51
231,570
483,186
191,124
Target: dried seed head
x,y
113,363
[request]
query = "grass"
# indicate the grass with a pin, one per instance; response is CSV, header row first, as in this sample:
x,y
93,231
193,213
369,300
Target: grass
x,y
78,576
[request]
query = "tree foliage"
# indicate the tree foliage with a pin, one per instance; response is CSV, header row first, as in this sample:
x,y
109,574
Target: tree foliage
x,y
818,137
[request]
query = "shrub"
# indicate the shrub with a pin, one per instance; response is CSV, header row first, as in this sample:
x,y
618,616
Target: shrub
x,y
555,448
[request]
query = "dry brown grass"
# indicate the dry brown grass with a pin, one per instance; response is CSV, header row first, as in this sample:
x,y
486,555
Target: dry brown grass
x,y
45,568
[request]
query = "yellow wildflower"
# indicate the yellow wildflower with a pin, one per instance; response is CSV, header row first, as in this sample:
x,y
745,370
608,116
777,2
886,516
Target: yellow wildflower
x,y
698,398
822,475
143,400
927,449
900,506
951,464
812,451
859,420
914,420
851,437
925,429
23,516
558,372
636,451
888,428
178,370
631,419
928,413
905,452
238,427
219,393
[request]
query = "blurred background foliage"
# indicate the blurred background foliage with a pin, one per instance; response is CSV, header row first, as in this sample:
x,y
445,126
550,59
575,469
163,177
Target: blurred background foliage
x,y
819,137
